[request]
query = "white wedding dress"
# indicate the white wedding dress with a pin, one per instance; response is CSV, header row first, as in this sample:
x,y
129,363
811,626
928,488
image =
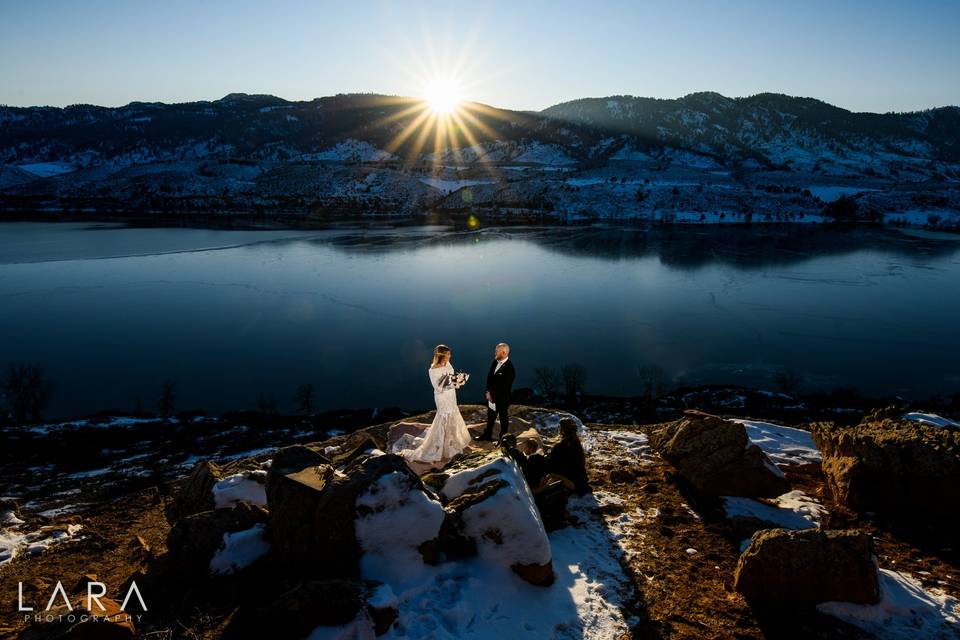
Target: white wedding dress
x,y
448,435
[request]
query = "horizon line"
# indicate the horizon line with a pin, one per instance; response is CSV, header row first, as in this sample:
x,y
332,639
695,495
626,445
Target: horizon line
x,y
518,110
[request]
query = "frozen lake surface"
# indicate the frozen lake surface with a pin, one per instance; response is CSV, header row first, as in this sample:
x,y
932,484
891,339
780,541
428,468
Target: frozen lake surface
x,y
112,311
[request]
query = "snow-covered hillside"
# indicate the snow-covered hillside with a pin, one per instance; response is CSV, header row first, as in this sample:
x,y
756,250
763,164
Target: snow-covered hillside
x,y
703,158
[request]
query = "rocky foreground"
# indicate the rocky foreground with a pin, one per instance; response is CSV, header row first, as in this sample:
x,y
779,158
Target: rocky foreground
x,y
703,526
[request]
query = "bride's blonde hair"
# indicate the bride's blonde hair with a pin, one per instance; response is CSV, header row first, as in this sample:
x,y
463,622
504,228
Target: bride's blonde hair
x,y
440,352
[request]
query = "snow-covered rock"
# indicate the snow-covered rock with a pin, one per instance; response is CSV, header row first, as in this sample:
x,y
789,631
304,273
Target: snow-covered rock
x,y
498,512
240,550
241,487
395,517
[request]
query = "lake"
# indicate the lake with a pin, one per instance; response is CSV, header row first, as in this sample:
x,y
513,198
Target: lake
x,y
112,311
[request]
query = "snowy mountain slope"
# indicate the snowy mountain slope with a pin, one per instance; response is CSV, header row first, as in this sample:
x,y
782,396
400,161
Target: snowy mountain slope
x,y
701,158
773,129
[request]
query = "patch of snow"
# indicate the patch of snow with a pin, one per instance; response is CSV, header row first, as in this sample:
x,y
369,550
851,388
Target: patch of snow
x,y
47,169
931,419
540,153
635,443
799,502
629,154
794,510
14,543
351,150
63,510
93,473
784,445
834,193
241,487
449,186
689,159
240,550
906,610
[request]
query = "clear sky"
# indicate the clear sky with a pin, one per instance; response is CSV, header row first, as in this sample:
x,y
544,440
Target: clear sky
x,y
863,55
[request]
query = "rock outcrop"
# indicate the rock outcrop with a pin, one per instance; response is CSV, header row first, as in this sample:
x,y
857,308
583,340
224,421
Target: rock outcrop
x,y
901,468
717,457
807,567
490,505
313,509
194,539
296,612
195,493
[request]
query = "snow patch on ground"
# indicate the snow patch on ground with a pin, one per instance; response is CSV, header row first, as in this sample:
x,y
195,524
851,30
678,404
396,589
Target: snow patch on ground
x,y
241,487
47,169
931,419
635,443
13,542
540,153
906,610
240,550
828,193
351,150
784,445
449,186
793,510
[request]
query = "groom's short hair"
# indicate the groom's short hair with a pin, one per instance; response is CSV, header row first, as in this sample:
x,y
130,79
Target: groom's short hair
x,y
504,345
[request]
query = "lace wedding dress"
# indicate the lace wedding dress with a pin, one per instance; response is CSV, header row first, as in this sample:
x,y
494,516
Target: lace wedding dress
x,y
448,434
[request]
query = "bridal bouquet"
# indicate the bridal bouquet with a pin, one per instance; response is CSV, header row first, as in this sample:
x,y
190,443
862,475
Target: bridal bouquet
x,y
454,380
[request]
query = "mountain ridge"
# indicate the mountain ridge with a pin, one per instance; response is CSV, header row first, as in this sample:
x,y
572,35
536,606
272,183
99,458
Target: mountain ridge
x,y
701,155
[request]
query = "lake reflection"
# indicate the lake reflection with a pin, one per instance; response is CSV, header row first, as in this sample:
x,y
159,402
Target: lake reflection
x,y
112,311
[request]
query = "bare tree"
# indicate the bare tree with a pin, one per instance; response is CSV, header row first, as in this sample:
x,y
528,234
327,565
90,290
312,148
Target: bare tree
x,y
26,390
266,404
304,399
167,398
546,380
574,377
652,381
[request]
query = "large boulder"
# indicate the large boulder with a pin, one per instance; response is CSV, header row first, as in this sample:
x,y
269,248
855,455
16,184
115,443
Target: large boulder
x,y
296,612
806,567
490,505
195,492
194,539
398,523
717,457
901,468
313,510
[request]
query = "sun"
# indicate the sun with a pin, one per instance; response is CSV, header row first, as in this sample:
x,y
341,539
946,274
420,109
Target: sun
x,y
443,96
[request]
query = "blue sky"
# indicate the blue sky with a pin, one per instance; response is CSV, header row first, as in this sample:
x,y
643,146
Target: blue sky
x,y
865,56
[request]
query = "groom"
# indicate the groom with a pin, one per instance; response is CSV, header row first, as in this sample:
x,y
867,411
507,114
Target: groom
x,y
499,381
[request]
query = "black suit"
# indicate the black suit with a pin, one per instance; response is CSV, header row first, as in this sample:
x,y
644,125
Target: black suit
x,y
499,384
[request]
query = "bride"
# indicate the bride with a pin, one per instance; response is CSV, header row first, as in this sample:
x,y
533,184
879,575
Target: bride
x,y
448,434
